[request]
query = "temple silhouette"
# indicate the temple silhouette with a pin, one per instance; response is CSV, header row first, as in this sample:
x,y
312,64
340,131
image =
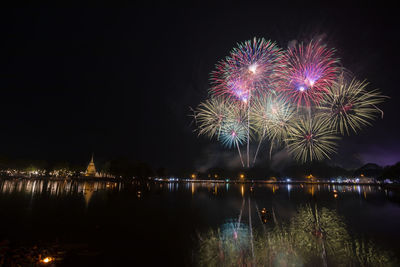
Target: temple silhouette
x,y
91,169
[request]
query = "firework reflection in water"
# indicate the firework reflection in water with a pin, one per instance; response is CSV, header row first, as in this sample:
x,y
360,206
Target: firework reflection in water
x,y
313,237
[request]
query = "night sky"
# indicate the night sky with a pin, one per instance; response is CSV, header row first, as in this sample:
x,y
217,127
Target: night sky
x,y
119,82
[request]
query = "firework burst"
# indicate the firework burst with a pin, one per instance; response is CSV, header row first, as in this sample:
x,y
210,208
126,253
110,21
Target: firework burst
x,y
271,117
210,116
233,134
234,128
250,69
348,106
234,131
311,139
309,70
298,98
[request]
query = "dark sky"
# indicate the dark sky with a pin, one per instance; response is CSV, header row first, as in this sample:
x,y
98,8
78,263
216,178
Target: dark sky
x,y
119,82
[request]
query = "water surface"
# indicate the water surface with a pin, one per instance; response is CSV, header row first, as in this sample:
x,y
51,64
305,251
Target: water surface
x,y
164,223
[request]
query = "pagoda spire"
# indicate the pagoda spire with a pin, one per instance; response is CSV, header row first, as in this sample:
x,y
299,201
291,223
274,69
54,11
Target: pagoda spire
x,y
91,169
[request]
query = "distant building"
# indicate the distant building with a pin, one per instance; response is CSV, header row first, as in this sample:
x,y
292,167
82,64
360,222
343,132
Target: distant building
x,y
91,169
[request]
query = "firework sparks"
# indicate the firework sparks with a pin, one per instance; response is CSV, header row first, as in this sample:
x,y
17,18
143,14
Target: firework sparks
x,y
309,70
234,129
298,98
210,116
311,139
271,116
250,69
233,133
348,106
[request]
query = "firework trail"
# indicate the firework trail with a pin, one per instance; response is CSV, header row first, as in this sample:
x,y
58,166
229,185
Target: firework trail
x,y
234,131
234,134
271,116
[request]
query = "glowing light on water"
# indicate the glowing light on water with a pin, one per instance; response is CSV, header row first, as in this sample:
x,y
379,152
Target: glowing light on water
x,y
312,190
289,187
302,242
47,260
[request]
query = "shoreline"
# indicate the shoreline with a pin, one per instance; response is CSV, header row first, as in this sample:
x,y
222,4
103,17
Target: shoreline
x,y
107,179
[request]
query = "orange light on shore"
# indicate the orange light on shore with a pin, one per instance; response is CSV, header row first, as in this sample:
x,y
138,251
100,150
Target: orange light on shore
x,y
47,260
264,211
310,176
193,176
241,176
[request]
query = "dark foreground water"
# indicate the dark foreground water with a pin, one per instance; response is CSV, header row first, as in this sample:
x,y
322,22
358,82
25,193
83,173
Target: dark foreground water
x,y
185,224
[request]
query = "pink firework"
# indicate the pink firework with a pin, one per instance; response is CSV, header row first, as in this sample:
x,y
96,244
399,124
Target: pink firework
x,y
251,68
309,71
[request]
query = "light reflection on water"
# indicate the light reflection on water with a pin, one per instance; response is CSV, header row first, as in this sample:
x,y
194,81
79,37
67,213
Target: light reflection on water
x,y
195,206
313,237
60,187
57,187
54,187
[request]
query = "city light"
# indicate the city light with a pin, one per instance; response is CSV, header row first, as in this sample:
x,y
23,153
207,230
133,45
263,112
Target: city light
x,y
47,260
264,211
